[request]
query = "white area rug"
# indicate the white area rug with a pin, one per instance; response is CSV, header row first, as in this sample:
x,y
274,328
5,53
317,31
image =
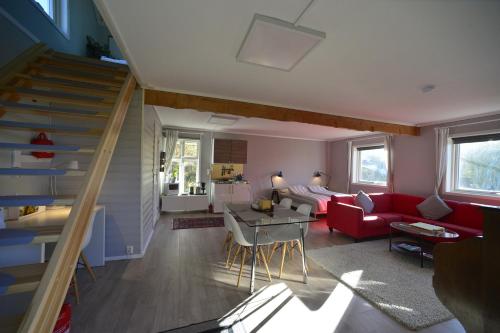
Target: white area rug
x,y
392,281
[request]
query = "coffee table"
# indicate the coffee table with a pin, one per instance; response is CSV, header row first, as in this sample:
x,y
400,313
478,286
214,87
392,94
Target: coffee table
x,y
422,246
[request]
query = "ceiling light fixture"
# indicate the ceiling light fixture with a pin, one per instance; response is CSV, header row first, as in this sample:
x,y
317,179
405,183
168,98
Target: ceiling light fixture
x,y
222,120
278,44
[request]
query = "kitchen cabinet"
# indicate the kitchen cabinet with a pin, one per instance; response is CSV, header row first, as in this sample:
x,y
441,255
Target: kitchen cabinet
x,y
230,193
230,151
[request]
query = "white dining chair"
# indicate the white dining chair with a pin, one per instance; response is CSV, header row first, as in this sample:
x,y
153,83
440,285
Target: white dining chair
x,y
84,261
243,236
286,203
288,236
229,240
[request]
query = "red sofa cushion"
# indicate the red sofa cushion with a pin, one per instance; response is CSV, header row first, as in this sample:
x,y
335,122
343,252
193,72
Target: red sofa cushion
x,y
382,202
413,219
387,217
374,225
343,198
469,216
406,204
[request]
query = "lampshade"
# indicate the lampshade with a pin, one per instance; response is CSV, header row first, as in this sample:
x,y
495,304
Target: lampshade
x,y
317,174
280,174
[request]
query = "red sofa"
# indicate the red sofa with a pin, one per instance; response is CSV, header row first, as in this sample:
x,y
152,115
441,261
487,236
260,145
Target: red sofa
x,y
343,215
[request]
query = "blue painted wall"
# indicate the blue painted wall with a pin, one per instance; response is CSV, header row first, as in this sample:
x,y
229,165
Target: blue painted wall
x,y
82,22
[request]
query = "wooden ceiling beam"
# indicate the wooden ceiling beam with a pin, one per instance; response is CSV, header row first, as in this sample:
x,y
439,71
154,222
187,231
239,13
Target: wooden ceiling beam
x,y
253,110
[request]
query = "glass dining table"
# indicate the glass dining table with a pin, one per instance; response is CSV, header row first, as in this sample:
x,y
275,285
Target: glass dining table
x,y
279,216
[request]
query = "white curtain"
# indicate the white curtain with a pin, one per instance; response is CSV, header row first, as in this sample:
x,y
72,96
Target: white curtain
x,y
349,166
442,134
389,145
170,141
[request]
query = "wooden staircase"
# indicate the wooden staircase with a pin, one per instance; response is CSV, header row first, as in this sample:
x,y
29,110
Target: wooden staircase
x,y
39,84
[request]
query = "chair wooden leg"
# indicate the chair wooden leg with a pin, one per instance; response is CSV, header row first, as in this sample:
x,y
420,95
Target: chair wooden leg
x,y
291,249
226,241
235,255
87,265
243,254
75,287
283,253
231,239
265,265
229,253
275,246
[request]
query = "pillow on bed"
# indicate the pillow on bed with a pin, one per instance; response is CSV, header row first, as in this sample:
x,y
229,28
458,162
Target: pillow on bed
x,y
316,188
364,201
298,189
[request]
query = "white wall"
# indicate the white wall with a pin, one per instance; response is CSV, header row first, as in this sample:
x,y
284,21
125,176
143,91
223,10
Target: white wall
x,y
414,162
298,159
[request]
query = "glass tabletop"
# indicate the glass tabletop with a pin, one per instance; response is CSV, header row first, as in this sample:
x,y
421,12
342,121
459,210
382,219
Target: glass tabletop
x,y
243,212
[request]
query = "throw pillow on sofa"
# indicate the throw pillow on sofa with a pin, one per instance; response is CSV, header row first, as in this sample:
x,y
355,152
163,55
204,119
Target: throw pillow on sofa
x,y
364,201
434,208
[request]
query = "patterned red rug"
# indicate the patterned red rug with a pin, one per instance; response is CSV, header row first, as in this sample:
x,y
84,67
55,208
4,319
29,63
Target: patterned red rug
x,y
197,222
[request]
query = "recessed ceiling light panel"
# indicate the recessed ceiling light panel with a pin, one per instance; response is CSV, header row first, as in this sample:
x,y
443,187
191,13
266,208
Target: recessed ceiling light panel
x,y
277,44
222,120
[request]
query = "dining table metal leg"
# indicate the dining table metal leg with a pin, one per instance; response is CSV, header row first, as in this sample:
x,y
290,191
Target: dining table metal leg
x,y
304,268
254,259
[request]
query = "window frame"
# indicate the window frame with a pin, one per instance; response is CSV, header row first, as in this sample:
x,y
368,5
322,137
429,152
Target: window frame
x,y
356,165
182,159
61,15
452,172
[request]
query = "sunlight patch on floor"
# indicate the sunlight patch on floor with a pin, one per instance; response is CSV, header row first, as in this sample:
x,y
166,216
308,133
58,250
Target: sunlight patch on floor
x,y
275,308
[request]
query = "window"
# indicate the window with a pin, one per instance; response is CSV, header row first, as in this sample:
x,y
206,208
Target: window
x,y
370,165
475,164
57,12
185,166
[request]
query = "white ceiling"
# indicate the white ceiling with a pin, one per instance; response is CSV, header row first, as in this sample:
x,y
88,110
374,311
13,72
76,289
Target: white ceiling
x,y
376,55
199,120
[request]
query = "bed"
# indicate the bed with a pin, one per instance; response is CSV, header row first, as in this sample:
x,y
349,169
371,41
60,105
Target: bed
x,y
321,190
301,194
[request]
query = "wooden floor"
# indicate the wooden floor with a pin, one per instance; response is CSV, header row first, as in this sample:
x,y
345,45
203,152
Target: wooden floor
x,y
182,280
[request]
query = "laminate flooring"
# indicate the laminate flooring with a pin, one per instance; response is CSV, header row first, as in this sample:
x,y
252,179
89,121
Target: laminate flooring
x,y
181,280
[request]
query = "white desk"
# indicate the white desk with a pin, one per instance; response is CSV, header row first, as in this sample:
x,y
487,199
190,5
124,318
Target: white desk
x,y
36,253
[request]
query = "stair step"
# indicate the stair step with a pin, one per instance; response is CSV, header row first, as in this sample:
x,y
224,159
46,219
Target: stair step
x,y
61,129
52,110
10,324
70,86
74,75
86,60
58,97
101,75
40,172
54,148
36,200
71,64
20,279
29,235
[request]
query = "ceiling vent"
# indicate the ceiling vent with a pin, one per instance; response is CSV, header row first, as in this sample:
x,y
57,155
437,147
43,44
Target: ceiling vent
x,y
274,43
222,120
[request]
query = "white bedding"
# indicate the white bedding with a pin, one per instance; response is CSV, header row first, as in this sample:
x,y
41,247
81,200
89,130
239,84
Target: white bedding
x,y
319,200
321,190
